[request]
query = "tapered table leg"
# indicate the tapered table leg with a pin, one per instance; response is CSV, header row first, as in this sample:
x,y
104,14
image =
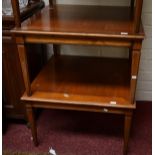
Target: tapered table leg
x,y
31,119
127,126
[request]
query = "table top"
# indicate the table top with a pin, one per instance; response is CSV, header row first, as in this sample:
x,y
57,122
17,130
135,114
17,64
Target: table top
x,y
82,20
87,81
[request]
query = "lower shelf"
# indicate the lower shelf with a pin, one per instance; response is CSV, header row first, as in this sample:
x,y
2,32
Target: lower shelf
x,y
86,81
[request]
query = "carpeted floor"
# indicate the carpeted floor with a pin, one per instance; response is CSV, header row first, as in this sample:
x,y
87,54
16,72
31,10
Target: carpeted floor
x,y
83,133
20,153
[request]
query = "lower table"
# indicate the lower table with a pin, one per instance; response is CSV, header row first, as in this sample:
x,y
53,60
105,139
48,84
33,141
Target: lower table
x,y
78,83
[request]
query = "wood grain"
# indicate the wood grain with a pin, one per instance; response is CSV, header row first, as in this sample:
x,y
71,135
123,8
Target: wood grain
x,y
137,15
31,118
24,65
84,83
16,10
134,72
127,126
83,80
78,19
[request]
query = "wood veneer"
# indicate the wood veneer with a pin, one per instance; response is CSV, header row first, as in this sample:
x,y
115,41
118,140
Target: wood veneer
x,y
83,80
78,19
76,83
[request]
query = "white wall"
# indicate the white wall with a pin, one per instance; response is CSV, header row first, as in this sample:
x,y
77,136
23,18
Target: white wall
x,y
144,86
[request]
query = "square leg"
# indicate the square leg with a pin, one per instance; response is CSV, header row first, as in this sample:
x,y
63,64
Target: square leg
x,y
32,123
127,126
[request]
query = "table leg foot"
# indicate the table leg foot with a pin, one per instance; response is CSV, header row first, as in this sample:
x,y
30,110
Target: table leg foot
x,y
127,126
32,123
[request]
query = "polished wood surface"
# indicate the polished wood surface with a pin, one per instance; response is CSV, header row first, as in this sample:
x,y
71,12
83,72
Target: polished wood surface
x,y
16,10
137,14
30,114
82,83
83,80
127,126
23,61
69,24
77,19
134,72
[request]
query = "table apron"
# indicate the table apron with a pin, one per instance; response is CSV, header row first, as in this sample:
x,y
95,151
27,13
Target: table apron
x,y
116,42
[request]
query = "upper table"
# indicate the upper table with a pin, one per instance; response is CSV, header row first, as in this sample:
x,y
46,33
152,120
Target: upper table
x,y
81,21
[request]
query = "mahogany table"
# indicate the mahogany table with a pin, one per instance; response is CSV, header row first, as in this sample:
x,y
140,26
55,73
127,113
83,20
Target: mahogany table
x,y
104,85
